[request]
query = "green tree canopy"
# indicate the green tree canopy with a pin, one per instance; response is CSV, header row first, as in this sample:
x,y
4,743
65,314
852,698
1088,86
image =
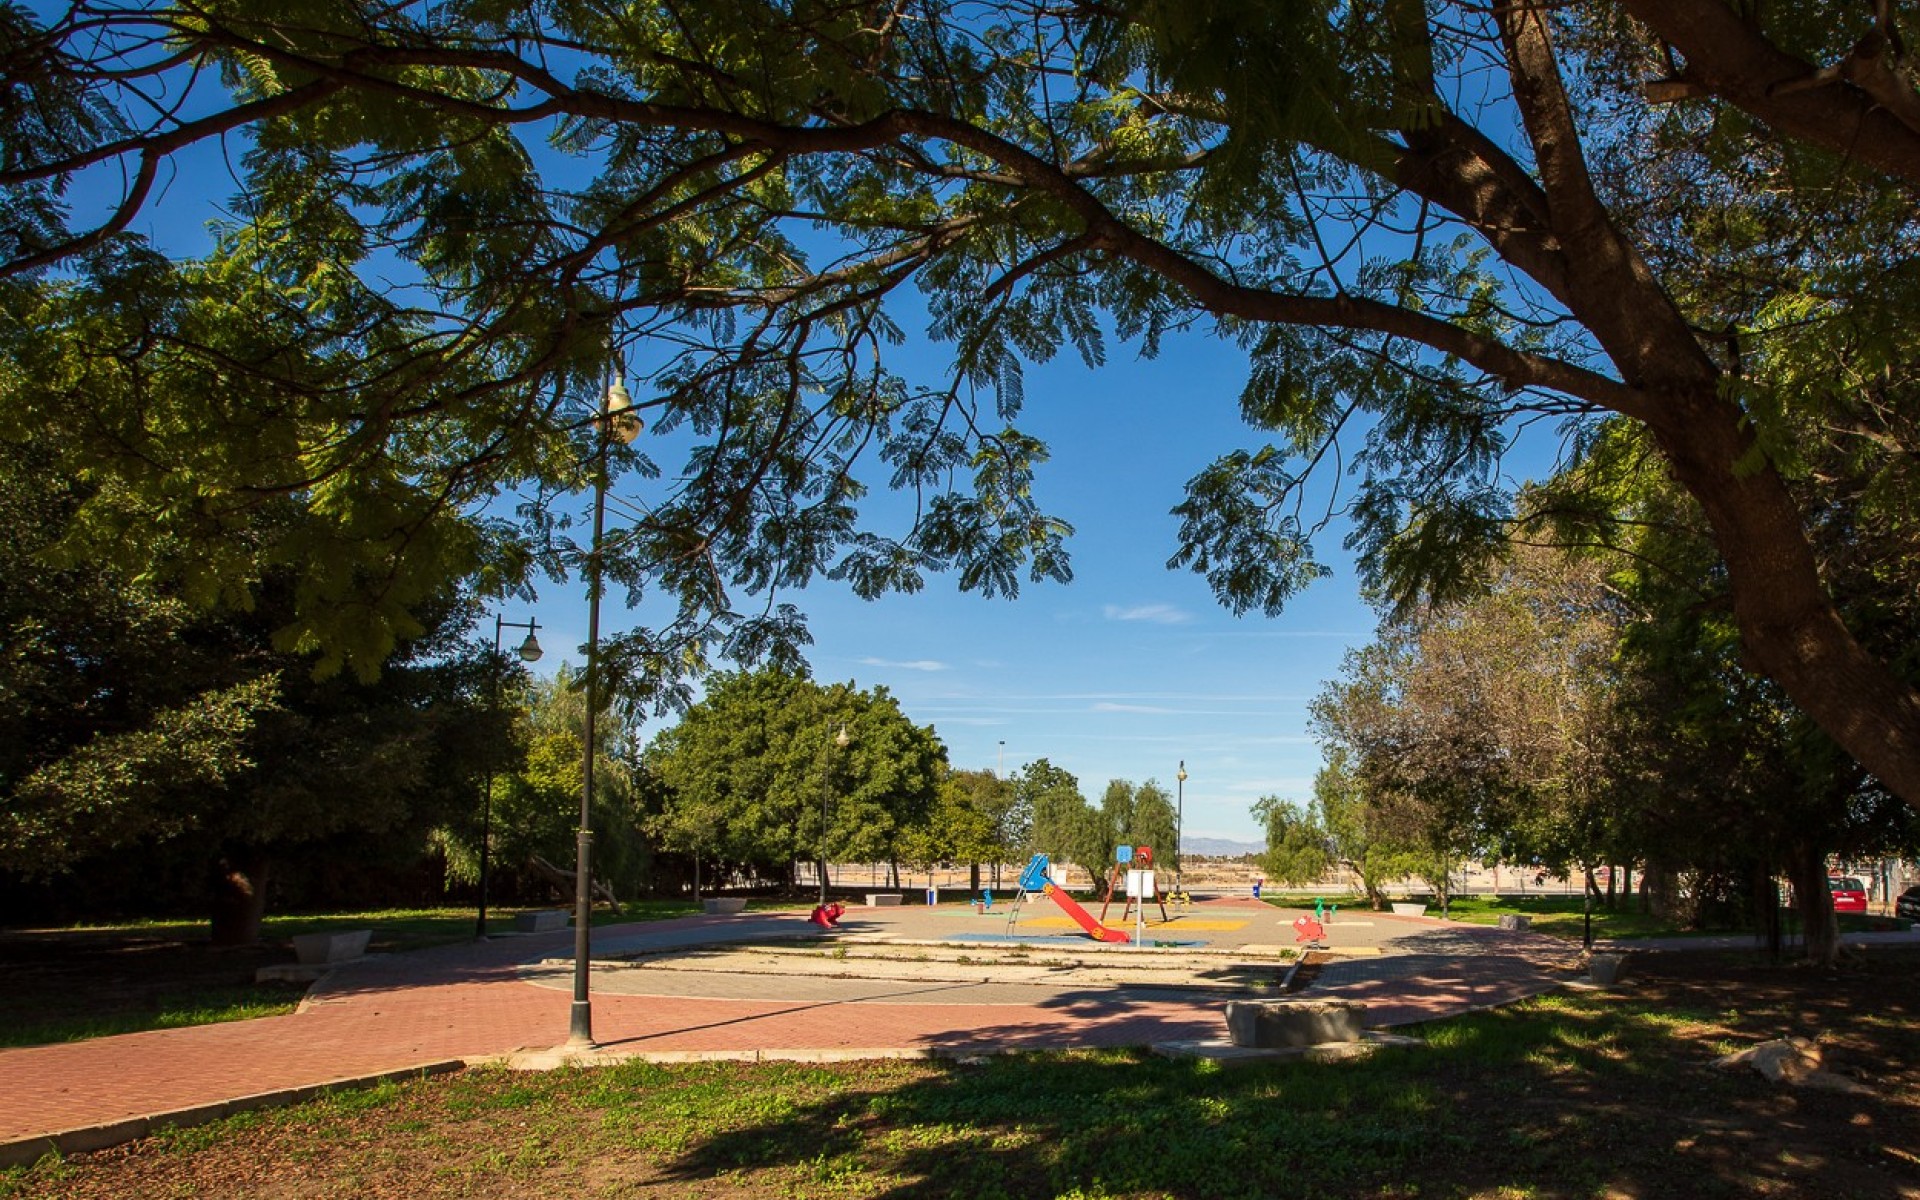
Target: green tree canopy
x,y
136,728
751,770
1298,848
1428,225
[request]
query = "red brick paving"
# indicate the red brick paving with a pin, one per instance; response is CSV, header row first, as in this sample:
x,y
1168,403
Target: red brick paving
x,y
471,1002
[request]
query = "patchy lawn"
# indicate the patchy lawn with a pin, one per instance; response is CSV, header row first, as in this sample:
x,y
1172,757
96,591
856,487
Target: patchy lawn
x,y
1582,1094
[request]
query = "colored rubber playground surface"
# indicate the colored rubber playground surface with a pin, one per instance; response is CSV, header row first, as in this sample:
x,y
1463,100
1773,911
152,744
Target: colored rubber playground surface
x,y
888,982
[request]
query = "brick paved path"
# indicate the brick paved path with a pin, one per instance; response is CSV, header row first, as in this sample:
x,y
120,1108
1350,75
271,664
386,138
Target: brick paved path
x,y
479,1000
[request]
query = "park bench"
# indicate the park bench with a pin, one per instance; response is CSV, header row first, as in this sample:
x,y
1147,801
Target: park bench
x,y
724,904
884,899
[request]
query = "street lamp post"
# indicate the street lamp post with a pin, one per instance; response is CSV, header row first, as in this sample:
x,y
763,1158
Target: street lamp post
x,y
617,422
1179,824
842,741
529,651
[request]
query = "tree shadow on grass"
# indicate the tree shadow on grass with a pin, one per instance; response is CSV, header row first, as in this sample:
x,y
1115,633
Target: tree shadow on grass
x,y
1599,1094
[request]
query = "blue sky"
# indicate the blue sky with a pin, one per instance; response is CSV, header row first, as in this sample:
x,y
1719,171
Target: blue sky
x,y
1131,668
1123,673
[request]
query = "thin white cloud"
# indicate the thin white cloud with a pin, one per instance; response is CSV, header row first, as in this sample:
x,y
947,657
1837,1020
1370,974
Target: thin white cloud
x,y
1158,614
917,664
1106,707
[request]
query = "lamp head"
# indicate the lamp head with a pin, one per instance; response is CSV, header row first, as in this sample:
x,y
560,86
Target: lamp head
x,y
622,420
530,649
841,739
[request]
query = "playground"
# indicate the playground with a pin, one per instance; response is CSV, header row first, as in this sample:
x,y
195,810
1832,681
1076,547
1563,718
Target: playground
x,y
1032,970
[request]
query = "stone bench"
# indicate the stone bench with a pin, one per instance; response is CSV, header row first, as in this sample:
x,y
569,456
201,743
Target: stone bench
x,y
1270,1024
337,947
1409,910
884,899
1516,922
725,904
544,920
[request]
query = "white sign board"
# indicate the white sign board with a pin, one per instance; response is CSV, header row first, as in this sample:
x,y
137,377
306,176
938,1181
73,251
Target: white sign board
x,y
1140,885
1058,874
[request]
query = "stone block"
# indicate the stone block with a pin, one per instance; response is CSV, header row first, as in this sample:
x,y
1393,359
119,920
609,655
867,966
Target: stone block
x,y
341,946
544,920
1273,1023
1604,969
1515,921
1409,910
725,904
884,899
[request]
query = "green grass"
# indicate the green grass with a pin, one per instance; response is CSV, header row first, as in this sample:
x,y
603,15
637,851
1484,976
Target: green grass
x,y
1578,1095
1561,916
164,1010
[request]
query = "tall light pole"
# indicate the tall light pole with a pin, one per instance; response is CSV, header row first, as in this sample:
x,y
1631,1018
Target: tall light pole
x,y
842,741
1001,773
617,422
529,652
1179,823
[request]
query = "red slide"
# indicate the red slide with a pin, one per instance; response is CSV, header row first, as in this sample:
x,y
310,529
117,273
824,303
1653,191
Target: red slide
x,y
1094,929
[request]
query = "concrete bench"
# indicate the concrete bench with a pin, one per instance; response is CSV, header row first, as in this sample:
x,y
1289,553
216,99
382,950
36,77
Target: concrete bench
x,y
1409,910
725,904
1269,1024
1516,921
884,899
340,946
544,920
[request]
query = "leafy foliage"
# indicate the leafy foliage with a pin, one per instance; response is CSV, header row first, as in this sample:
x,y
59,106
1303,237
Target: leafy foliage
x,y
751,772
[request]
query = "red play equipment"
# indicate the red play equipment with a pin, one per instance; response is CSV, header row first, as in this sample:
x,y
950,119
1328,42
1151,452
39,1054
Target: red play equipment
x,y
1308,930
1034,878
1142,859
827,916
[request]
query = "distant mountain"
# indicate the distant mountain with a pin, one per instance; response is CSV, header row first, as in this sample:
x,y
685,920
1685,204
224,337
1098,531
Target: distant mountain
x,y
1223,847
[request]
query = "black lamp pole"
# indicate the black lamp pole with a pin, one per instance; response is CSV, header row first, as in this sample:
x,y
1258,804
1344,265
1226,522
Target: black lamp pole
x,y
529,652
617,422
1179,824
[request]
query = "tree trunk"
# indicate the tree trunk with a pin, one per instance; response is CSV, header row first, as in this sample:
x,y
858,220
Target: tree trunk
x,y
239,899
1790,629
1657,882
1813,900
974,879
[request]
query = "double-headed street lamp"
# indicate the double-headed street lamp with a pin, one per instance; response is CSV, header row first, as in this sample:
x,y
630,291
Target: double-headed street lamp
x,y
617,422
529,652
842,741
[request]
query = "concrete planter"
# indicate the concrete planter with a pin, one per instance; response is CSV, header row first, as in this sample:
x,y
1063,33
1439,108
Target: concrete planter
x,y
345,946
1516,921
1409,910
725,905
884,899
1604,969
1268,1024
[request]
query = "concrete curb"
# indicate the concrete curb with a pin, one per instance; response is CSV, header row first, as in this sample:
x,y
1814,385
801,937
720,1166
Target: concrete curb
x,y
564,1057
27,1151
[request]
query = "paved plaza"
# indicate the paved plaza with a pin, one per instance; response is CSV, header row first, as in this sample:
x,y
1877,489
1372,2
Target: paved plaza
x,y
890,982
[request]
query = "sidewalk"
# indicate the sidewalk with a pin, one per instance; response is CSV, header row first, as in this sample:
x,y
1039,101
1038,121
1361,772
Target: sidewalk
x,y
442,1008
